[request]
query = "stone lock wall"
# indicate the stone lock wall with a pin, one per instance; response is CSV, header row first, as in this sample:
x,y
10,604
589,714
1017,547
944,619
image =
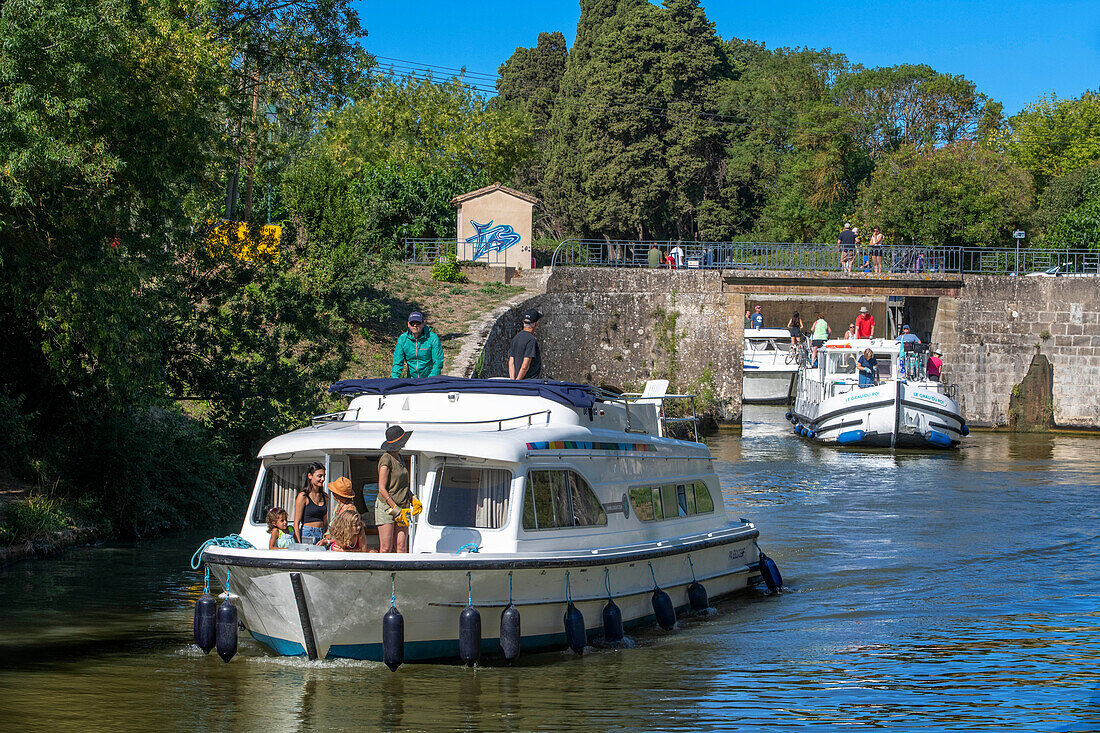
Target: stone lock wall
x,y
622,327
991,333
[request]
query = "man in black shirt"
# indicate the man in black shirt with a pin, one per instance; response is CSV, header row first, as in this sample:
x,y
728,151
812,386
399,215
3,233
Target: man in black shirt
x,y
524,358
846,245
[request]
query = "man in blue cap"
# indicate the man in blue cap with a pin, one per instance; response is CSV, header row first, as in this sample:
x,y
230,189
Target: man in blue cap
x,y
419,348
906,337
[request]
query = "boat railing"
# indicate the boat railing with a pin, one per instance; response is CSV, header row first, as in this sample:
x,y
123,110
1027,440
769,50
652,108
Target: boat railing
x,y
343,416
626,398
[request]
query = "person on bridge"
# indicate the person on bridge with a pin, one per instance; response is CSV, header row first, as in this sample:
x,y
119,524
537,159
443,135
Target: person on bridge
x,y
654,256
846,246
876,249
524,357
865,324
677,255
419,348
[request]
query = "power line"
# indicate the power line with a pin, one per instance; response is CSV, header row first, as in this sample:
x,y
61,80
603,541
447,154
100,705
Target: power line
x,y
480,82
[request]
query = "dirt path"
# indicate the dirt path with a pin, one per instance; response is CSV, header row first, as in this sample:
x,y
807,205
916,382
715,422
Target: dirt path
x,y
461,313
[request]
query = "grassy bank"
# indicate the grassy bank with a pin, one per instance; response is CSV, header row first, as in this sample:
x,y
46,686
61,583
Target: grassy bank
x,y
450,308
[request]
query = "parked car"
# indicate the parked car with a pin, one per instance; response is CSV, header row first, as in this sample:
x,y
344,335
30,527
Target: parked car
x,y
1066,269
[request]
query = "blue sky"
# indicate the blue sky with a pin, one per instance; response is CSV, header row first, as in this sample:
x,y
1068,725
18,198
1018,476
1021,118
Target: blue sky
x,y
1014,50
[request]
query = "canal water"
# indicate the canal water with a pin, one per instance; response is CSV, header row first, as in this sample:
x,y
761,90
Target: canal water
x,y
928,591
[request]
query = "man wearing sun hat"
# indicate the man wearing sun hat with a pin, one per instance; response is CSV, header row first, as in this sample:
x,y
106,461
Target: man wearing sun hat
x,y
524,357
419,348
865,324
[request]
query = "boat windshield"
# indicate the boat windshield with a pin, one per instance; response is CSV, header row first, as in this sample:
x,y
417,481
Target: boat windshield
x,y
768,345
841,364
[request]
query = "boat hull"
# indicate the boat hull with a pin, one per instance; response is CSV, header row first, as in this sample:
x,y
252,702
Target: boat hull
x,y
895,414
762,386
345,599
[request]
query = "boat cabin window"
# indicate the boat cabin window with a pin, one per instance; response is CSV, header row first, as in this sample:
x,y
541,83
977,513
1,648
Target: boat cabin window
x,y
841,364
671,500
470,497
280,488
560,499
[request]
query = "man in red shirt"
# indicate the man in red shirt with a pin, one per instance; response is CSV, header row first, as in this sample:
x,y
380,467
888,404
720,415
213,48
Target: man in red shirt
x,y
865,324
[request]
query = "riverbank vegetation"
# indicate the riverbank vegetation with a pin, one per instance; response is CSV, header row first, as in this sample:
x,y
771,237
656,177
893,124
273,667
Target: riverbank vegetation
x,y
150,348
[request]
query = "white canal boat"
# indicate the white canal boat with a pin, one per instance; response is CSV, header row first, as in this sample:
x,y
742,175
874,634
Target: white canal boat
x,y
536,495
769,366
902,408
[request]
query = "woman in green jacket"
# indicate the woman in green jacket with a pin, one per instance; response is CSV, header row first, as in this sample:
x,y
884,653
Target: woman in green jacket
x,y
419,348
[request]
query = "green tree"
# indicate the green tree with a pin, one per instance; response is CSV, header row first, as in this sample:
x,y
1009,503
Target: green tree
x,y
113,145
634,151
530,80
910,105
284,63
958,195
1053,137
1069,210
422,122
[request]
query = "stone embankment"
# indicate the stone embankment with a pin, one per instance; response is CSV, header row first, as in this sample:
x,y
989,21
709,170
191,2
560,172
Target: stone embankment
x,y
622,327
998,326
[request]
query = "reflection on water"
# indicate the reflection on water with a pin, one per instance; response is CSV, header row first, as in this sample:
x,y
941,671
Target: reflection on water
x,y
924,590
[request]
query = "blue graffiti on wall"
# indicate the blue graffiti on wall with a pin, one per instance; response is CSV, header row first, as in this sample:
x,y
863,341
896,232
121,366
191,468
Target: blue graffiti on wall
x,y
491,238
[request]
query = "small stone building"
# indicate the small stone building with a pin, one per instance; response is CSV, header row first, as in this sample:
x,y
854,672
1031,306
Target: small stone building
x,y
494,226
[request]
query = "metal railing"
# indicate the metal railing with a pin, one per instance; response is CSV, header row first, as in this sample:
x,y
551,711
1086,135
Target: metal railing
x,y
345,416
431,251
785,256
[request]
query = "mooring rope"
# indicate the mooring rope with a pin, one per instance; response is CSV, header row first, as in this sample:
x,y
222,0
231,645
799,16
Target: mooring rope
x,y
232,540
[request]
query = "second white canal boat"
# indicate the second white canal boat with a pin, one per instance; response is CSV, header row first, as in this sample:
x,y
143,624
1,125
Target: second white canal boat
x,y
898,406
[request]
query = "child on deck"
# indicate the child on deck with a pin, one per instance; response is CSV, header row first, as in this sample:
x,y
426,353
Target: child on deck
x,y
347,533
277,522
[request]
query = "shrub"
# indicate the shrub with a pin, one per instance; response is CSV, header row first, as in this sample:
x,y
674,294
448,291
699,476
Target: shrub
x,y
446,270
34,519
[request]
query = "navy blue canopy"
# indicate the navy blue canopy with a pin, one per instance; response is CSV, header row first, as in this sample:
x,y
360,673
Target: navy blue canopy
x,y
565,393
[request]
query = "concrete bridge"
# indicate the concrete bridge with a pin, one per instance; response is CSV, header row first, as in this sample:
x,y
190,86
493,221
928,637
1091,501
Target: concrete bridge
x,y
621,326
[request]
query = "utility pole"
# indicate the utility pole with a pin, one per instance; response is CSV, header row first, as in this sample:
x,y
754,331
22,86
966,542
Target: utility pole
x,y
1018,234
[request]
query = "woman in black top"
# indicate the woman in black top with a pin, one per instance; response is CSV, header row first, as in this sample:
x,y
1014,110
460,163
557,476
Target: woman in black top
x,y
795,327
311,507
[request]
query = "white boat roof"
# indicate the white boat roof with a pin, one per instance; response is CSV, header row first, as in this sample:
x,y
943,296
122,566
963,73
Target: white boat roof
x,y
767,333
482,425
511,445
